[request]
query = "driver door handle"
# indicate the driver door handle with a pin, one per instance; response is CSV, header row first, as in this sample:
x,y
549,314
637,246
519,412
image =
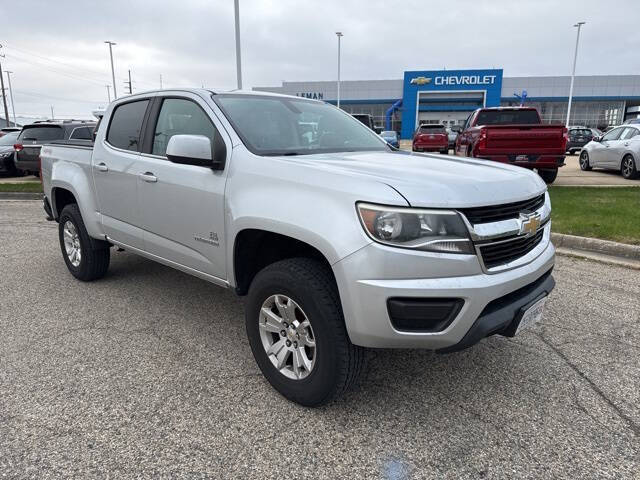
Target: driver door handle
x,y
102,167
148,177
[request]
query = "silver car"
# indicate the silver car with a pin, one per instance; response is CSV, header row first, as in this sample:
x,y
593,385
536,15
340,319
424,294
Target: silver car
x,y
618,149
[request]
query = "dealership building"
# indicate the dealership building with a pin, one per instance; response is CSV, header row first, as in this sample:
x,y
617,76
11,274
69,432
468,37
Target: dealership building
x,y
449,96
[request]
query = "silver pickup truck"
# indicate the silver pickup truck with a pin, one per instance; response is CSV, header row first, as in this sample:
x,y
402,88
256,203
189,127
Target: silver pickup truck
x,y
337,241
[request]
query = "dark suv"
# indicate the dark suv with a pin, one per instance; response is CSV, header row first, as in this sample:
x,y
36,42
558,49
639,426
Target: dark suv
x,y
578,138
33,136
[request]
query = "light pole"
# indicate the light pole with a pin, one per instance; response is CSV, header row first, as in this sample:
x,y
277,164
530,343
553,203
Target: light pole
x,y
339,35
238,57
113,73
4,97
13,105
108,92
573,72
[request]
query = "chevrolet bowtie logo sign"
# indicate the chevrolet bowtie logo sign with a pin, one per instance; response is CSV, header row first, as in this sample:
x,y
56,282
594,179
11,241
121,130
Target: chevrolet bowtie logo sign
x,y
420,80
529,223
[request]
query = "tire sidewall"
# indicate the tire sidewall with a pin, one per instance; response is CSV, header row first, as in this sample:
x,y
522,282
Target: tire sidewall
x,y
586,160
320,382
634,170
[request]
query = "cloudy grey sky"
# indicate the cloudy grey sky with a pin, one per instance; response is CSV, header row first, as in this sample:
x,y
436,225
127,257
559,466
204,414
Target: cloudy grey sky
x,y
57,54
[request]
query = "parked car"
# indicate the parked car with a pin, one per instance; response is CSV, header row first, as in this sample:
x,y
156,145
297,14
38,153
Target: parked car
x,y
452,134
632,121
514,135
391,137
7,165
365,118
5,130
619,149
578,138
431,138
33,136
337,245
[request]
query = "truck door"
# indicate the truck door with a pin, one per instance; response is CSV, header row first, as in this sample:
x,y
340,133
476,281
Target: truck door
x,y
115,174
182,206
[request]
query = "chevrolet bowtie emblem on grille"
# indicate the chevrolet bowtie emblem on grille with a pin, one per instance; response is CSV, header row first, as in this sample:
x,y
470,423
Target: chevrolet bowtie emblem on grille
x,y
529,223
420,80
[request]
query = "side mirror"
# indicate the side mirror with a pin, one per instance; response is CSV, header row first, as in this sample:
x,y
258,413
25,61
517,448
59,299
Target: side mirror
x,y
597,138
195,150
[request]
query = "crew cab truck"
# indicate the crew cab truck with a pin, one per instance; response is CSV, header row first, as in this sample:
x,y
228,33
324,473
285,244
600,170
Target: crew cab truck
x,y
337,241
514,135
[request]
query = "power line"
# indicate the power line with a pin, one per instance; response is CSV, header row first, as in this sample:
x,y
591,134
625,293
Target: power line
x,y
59,72
42,95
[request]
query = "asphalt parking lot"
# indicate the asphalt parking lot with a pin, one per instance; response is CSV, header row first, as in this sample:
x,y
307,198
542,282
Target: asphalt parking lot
x,y
148,373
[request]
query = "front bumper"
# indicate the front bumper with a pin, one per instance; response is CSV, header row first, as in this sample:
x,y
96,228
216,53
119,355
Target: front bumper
x,y
369,277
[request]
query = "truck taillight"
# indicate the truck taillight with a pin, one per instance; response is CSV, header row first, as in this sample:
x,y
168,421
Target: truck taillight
x,y
481,144
17,147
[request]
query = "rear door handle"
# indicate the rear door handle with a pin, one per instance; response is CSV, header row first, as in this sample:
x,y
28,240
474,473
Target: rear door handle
x,y
102,167
148,177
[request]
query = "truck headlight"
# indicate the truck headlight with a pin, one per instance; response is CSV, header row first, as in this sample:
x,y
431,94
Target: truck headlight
x,y
417,229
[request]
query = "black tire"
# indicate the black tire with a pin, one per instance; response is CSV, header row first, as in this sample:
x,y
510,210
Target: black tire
x,y
584,161
548,175
94,254
628,168
444,152
312,286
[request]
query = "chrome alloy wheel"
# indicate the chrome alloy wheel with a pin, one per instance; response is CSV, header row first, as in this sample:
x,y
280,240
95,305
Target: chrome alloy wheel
x,y
584,162
287,337
627,166
72,243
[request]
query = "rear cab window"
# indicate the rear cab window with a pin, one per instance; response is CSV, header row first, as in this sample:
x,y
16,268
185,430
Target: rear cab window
x,y
125,126
507,117
41,134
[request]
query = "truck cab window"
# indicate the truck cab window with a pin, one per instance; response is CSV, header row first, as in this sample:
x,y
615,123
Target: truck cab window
x,y
126,125
180,117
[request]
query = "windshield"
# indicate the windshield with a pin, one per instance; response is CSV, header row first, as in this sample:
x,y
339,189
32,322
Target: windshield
x,y
9,138
288,126
507,117
432,129
41,133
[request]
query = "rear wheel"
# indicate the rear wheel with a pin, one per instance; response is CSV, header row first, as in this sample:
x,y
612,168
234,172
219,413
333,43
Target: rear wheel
x,y
584,161
444,152
628,168
86,258
297,333
548,174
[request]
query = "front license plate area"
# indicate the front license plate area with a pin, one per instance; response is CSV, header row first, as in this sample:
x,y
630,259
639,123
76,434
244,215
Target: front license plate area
x,y
532,315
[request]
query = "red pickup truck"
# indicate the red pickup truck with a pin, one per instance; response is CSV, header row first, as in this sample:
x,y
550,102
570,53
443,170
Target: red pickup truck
x,y
514,135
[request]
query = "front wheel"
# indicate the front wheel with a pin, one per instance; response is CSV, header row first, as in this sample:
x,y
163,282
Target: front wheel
x,y
584,161
628,168
86,258
297,332
548,175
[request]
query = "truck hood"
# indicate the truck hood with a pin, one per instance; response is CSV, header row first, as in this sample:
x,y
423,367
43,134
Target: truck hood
x,y
433,180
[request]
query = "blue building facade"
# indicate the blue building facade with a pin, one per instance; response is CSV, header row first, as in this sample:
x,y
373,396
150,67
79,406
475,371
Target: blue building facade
x,y
426,95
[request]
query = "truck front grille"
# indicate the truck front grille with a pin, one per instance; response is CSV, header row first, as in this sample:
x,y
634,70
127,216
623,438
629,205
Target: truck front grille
x,y
499,253
495,213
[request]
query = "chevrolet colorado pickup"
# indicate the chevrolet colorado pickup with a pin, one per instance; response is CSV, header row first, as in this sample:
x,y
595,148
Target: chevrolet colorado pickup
x,y
336,240
514,135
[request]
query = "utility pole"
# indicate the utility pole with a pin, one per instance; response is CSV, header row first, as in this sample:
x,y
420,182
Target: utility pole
x,y
339,35
108,92
113,73
573,72
13,105
4,97
160,81
238,59
53,117
128,84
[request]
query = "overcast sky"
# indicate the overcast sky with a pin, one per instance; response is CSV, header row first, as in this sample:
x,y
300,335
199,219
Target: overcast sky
x,y
57,54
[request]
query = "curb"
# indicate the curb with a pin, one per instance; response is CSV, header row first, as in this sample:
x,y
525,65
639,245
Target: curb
x,y
605,247
21,196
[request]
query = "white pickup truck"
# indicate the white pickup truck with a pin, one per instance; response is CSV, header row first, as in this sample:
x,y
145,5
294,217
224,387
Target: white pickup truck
x,y
337,241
